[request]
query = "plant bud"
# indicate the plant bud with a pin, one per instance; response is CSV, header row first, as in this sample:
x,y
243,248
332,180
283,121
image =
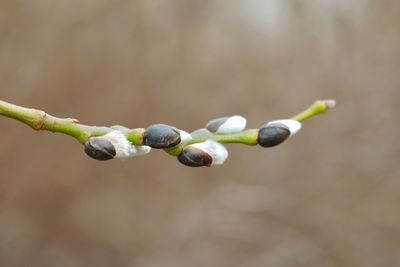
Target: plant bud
x,y
227,125
293,125
330,103
161,136
272,135
207,153
100,148
164,136
275,132
113,145
194,157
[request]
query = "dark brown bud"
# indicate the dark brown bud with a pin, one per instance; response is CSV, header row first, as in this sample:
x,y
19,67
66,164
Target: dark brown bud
x,y
272,135
100,148
161,136
195,157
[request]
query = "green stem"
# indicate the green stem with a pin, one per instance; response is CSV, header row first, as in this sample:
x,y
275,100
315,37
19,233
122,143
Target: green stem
x,y
247,137
320,106
40,120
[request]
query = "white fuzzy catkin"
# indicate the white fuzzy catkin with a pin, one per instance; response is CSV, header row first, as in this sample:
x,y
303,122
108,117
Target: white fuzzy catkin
x,y
217,151
185,136
293,125
124,148
234,124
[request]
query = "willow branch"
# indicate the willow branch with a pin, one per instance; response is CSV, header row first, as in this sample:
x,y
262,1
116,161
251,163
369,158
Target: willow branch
x,y
158,136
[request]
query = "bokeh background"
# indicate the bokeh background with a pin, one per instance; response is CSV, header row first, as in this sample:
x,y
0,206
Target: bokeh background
x,y
328,197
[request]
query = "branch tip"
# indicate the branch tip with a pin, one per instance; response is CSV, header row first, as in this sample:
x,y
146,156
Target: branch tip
x,y
329,103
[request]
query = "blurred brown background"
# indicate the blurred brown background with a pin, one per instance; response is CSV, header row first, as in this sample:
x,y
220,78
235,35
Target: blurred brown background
x,y
328,197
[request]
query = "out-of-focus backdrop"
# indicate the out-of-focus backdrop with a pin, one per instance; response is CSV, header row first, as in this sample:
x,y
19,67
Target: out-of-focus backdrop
x,y
327,197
